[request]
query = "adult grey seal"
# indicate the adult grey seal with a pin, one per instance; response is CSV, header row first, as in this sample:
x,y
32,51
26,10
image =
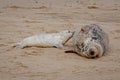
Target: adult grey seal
x,y
46,40
91,41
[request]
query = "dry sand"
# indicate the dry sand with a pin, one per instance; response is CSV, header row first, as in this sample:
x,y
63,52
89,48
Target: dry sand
x,y
23,18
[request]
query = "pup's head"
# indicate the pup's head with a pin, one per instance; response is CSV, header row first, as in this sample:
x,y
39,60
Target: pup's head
x,y
92,49
66,35
67,32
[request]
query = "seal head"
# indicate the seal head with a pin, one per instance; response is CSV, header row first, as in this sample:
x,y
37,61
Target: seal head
x,y
91,41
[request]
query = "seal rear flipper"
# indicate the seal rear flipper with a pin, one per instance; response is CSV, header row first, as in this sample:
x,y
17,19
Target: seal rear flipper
x,y
17,45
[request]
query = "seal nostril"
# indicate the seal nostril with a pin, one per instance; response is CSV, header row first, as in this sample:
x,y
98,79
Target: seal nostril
x,y
92,52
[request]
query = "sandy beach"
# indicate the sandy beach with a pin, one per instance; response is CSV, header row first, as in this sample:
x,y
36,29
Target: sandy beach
x,y
22,18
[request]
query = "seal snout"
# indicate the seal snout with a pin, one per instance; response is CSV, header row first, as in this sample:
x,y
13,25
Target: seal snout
x,y
92,52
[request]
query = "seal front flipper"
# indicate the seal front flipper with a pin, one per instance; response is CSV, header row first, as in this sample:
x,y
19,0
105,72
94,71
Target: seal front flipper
x,y
60,46
70,51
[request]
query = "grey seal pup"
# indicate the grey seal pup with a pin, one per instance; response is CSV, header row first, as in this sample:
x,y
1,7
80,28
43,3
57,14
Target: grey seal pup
x,y
46,40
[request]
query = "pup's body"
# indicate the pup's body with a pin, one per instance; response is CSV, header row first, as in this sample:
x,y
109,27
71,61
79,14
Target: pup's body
x,y
91,41
46,40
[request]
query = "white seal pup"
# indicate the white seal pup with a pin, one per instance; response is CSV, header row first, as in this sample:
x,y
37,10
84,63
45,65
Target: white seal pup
x,y
91,41
46,40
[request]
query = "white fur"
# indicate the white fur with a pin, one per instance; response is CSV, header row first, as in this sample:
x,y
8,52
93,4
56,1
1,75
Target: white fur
x,y
46,40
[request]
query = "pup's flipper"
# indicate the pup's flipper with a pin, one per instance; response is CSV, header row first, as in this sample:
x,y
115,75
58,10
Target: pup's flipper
x,y
17,45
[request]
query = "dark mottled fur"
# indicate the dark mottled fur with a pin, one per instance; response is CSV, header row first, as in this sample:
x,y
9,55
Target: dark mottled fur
x,y
94,34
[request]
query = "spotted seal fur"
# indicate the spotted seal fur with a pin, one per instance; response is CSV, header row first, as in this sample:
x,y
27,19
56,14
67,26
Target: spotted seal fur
x,y
90,41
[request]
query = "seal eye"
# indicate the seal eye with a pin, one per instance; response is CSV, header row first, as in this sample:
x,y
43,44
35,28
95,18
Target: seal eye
x,y
82,30
95,38
68,31
82,45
